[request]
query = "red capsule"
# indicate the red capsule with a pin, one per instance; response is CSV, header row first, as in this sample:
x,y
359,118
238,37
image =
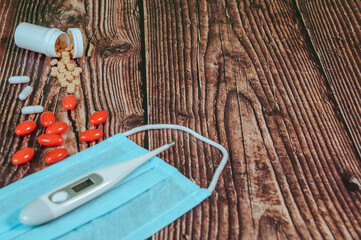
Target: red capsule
x,y
57,128
47,118
91,135
22,156
69,102
50,139
98,117
56,155
25,127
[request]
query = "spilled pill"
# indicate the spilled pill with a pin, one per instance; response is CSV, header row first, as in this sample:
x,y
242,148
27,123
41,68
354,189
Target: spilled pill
x,y
78,69
47,118
66,61
57,128
69,102
98,117
90,135
53,62
56,155
50,139
25,127
64,83
18,79
25,92
75,74
32,109
22,156
54,74
70,67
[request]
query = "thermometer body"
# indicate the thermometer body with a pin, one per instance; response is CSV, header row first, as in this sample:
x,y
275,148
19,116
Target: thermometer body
x,y
75,193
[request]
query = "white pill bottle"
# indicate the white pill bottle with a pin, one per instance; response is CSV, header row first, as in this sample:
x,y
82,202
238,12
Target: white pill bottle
x,y
42,39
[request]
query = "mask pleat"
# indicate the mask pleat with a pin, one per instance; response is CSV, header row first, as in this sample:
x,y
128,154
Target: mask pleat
x,y
105,203
148,199
148,212
15,196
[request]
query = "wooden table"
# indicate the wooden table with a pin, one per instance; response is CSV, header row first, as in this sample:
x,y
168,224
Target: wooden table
x,y
277,83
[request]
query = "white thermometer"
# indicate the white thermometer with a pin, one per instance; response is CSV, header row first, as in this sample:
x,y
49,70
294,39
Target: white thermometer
x,y
71,195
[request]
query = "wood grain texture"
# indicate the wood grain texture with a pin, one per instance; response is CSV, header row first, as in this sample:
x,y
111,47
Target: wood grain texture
x,y
335,32
111,79
242,73
245,75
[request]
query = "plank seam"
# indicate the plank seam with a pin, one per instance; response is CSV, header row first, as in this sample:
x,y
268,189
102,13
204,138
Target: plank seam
x,y
143,68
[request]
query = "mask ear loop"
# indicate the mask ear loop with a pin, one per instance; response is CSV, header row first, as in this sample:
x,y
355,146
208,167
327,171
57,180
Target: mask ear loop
x,y
219,169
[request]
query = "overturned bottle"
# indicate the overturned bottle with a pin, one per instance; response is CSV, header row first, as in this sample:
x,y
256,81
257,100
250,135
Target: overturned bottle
x,y
47,40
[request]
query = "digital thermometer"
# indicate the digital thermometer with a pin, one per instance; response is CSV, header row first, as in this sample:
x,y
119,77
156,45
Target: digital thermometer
x,y
73,194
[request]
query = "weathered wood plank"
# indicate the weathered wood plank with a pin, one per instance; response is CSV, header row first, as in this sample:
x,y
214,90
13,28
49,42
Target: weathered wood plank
x,y
111,80
334,29
245,75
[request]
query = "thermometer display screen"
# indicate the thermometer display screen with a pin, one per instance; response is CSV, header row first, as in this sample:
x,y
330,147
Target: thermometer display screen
x,y
83,185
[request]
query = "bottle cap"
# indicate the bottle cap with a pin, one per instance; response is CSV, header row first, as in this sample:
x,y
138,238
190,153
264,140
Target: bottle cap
x,y
77,42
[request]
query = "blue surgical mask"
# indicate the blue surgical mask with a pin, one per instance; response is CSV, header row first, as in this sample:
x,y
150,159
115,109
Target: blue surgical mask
x,y
147,200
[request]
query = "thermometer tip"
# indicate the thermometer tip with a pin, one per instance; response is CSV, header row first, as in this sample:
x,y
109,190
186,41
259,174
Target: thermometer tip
x,y
171,143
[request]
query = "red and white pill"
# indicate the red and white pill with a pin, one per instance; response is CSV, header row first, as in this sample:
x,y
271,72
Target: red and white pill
x,y
47,118
25,92
25,127
18,79
50,139
32,109
57,128
98,117
56,155
22,156
69,102
90,135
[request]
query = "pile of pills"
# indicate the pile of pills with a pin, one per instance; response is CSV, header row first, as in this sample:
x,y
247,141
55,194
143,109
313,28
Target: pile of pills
x,y
65,70
67,73
61,46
